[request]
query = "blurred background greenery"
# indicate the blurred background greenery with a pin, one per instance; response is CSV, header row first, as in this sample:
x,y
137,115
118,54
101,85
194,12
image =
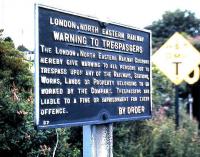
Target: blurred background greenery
x,y
151,138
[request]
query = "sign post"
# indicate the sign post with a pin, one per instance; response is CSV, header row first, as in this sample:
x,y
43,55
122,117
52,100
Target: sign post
x,y
190,101
90,73
176,106
98,140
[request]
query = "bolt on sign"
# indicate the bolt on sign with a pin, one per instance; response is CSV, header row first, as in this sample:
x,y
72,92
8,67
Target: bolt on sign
x,y
177,58
89,71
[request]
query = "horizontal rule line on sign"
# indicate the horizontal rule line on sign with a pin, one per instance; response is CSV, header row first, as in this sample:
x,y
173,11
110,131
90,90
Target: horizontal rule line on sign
x,y
99,35
98,48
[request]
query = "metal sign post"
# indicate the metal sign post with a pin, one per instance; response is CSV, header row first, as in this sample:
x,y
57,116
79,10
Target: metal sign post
x,y
190,99
176,107
98,140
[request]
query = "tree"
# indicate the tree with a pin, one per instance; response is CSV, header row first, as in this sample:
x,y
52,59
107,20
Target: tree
x,y
18,137
171,22
22,48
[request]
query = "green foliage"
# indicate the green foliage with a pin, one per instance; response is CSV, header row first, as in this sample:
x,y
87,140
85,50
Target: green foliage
x,y
162,88
18,137
171,22
130,138
175,143
157,138
22,48
13,68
